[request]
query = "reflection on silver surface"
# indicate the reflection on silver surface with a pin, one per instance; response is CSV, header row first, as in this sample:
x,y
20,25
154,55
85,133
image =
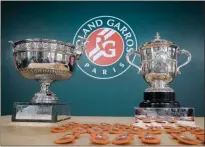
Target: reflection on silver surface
x,y
180,115
159,63
46,61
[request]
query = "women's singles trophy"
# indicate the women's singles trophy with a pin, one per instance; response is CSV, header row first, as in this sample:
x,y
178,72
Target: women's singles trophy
x,y
159,68
46,61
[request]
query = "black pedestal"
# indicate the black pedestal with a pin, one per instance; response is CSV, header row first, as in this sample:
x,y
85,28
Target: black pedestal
x,y
159,99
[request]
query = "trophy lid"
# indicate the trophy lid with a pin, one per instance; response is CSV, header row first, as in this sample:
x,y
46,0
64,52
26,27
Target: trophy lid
x,y
157,42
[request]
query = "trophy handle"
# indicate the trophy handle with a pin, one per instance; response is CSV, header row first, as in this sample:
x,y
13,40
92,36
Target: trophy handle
x,y
11,43
187,61
80,47
128,59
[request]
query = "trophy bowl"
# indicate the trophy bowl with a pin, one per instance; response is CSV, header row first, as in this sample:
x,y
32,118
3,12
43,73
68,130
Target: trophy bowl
x,y
46,61
159,67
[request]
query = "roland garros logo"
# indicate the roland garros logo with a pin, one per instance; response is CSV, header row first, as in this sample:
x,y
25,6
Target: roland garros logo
x,y
108,41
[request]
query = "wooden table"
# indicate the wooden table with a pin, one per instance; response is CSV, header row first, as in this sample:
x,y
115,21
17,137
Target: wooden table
x,y
18,133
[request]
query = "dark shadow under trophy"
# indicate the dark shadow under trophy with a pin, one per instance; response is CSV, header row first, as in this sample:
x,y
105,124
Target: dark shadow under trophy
x,y
45,61
159,68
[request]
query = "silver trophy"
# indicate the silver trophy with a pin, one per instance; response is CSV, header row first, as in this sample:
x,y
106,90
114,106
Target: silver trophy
x,y
46,61
159,67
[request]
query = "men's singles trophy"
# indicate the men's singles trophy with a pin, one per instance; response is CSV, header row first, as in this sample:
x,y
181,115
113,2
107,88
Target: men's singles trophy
x,y
159,68
46,61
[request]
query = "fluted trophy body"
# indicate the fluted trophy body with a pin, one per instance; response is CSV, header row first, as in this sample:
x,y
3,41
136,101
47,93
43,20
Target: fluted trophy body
x,y
159,67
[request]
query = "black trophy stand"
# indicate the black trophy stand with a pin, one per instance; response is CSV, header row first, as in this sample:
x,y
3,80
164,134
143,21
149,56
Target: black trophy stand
x,y
159,100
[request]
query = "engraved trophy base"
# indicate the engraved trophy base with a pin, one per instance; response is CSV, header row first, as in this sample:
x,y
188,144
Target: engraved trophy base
x,y
159,100
40,112
182,115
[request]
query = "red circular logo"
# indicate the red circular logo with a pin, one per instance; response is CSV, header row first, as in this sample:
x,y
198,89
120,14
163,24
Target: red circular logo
x,y
105,46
